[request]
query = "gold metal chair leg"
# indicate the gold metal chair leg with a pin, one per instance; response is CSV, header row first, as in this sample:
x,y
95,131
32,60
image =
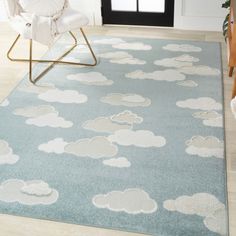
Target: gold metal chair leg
x,y
53,62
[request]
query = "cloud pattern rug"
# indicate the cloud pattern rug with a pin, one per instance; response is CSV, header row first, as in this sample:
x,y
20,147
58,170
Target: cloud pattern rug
x,y
135,144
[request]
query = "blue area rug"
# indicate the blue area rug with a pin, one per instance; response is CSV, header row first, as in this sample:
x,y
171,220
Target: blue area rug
x,y
135,144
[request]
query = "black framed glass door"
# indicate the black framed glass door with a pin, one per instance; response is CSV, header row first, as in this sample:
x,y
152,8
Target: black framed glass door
x,y
138,12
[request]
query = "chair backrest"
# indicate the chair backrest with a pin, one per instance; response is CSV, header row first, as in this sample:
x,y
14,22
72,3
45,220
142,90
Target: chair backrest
x,y
12,7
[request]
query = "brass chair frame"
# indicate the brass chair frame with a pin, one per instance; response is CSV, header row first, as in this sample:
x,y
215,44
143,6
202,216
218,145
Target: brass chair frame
x,y
59,60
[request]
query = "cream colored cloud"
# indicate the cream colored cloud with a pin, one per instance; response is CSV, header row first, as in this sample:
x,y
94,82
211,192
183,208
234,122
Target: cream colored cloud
x,y
165,75
38,188
34,111
177,62
172,62
53,146
202,103
210,118
129,61
188,83
63,96
182,48
139,138
120,57
137,46
115,55
187,58
130,201
129,100
91,78
6,154
104,125
204,205
217,222
207,115
205,147
127,117
36,88
121,162
217,122
30,193
200,70
52,120
5,103
96,148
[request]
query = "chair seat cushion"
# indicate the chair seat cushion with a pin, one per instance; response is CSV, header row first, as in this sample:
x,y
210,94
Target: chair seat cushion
x,y
71,20
42,7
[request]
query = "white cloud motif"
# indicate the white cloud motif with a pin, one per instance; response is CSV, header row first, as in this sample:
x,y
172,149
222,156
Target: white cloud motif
x,y
129,100
204,205
72,59
6,154
30,193
202,103
166,75
109,41
233,106
200,70
91,78
63,96
5,103
96,148
210,118
52,120
121,162
104,124
133,46
205,147
127,117
139,138
131,201
79,49
36,88
182,48
54,146
188,83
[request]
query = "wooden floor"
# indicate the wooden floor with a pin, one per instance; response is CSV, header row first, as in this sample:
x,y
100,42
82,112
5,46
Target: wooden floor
x,y
12,73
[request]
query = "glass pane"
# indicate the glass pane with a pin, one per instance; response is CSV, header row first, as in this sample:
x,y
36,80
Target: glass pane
x,y
124,5
152,6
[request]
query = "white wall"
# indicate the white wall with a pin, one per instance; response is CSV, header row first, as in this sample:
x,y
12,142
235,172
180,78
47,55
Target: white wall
x,y
91,8
199,14
3,16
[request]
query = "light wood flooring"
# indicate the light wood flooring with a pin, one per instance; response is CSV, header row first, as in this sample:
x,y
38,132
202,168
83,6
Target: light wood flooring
x,y
11,73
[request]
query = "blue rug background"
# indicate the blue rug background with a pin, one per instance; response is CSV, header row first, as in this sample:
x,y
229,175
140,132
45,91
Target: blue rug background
x,y
164,173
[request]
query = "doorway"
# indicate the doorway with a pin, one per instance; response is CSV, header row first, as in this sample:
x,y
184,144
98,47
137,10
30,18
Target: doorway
x,y
138,12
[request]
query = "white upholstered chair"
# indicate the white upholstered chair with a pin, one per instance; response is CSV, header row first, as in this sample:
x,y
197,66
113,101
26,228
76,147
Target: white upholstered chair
x,y
43,21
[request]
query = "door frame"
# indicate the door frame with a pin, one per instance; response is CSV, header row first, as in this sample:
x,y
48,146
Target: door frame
x,y
92,9
138,18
